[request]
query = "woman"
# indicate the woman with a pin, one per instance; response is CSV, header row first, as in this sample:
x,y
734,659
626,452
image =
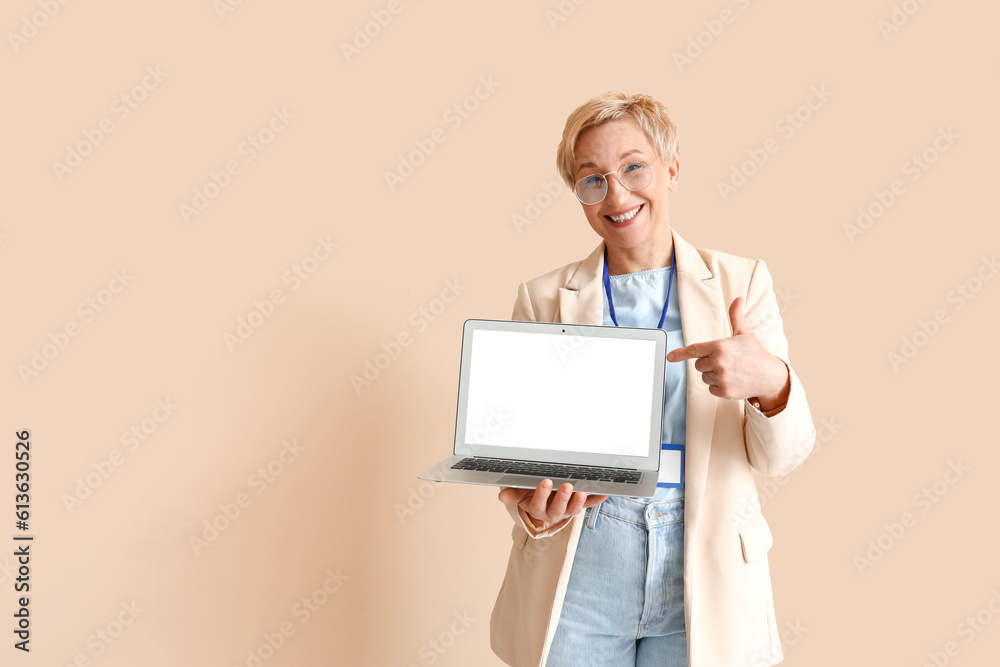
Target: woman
x,y
680,578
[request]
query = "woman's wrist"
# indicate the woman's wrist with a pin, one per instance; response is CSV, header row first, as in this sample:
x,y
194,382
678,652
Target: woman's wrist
x,y
772,402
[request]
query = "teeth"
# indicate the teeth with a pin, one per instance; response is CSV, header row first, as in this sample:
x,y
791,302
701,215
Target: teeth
x,y
628,216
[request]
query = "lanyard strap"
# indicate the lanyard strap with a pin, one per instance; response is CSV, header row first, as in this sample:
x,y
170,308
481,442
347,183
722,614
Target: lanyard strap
x,y
670,284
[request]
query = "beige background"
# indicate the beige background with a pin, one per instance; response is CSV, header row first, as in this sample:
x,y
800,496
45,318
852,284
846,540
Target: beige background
x,y
411,572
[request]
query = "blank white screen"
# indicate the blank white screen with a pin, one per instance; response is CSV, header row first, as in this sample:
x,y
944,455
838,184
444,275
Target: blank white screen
x,y
560,392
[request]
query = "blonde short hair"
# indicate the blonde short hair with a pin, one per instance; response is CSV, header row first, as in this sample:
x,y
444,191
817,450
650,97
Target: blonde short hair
x,y
649,114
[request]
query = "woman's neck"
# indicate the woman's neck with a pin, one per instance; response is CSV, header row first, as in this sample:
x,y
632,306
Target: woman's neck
x,y
631,260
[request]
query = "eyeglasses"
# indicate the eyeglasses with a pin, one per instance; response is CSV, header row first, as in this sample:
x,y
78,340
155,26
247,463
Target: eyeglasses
x,y
633,176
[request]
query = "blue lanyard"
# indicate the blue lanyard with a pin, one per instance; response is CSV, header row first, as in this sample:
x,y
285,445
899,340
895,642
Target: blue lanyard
x,y
670,284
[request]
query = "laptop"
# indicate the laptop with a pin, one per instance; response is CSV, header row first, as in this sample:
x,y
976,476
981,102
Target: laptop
x,y
567,402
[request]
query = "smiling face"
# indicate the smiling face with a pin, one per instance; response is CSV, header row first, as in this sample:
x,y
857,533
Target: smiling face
x,y
633,224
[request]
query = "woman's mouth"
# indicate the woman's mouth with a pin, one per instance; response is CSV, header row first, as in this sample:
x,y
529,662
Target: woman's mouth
x,y
625,217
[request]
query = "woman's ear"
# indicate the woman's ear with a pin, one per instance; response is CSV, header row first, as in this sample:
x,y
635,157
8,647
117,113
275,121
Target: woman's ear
x,y
674,170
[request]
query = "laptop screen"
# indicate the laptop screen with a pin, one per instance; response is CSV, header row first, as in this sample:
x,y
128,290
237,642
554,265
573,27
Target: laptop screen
x,y
560,393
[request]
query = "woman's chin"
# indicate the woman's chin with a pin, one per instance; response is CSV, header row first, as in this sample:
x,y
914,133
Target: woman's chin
x,y
632,236
624,237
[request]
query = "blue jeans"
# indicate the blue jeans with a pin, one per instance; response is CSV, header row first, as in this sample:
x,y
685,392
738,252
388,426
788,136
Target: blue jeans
x,y
625,598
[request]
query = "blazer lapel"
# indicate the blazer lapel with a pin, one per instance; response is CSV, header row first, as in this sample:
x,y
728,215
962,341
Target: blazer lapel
x,y
702,309
580,302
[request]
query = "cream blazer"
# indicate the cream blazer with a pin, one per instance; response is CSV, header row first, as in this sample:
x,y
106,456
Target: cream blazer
x,y
728,607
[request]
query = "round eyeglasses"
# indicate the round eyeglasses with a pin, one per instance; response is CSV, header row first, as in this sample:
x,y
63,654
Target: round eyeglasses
x,y
633,176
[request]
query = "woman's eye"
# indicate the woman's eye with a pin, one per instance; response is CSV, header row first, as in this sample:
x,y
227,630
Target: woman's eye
x,y
633,166
592,181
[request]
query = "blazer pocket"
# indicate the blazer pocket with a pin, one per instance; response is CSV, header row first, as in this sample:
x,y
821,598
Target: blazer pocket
x,y
519,535
755,539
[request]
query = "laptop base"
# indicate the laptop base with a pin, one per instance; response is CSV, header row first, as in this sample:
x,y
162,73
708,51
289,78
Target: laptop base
x,y
444,472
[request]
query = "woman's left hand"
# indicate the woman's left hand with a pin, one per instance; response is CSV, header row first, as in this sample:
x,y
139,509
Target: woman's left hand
x,y
740,366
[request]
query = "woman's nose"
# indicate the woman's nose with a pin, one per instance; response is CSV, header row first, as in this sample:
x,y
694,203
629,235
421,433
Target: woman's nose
x,y
616,191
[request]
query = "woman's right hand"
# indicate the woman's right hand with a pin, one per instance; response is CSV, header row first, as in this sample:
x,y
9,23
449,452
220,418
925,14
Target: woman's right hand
x,y
547,506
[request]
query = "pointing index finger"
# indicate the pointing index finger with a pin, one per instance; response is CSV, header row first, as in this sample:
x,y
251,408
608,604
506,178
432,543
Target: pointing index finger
x,y
692,351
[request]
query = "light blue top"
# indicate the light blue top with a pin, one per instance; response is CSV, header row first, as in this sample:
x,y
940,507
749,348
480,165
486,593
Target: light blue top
x,y
638,301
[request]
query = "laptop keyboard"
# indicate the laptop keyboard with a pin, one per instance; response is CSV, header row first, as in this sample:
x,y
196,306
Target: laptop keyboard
x,y
550,470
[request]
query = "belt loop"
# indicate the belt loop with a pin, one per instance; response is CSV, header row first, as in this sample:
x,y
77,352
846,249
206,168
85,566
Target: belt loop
x,y
592,516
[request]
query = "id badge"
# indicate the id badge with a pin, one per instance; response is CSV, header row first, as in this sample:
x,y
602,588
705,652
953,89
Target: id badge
x,y
671,466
